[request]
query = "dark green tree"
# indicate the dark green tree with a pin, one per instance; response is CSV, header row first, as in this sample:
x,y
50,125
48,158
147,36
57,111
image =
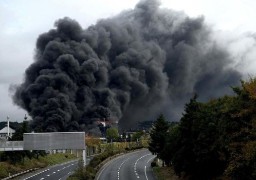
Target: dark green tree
x,y
18,135
171,144
194,147
158,136
184,158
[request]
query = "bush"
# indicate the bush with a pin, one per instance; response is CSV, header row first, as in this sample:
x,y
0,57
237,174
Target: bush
x,y
154,163
3,171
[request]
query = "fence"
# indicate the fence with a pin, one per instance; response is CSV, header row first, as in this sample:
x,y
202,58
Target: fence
x,y
11,145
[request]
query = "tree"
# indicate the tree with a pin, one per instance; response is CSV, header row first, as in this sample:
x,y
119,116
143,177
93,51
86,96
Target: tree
x,y
193,146
242,134
15,157
171,144
18,135
213,138
158,135
137,135
112,134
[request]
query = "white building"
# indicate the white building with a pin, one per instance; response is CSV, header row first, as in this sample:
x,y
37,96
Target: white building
x,y
5,132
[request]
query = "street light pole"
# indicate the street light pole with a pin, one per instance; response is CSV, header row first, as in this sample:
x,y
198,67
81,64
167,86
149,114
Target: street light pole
x,y
8,127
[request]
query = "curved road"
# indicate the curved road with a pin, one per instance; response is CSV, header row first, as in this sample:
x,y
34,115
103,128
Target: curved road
x,y
131,166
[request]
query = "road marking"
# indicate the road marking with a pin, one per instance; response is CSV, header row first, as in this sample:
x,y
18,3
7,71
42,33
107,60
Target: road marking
x,y
146,172
48,170
151,159
105,165
145,169
118,171
36,174
135,165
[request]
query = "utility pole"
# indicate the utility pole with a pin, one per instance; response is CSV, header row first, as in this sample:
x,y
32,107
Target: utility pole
x,y
105,133
25,118
8,127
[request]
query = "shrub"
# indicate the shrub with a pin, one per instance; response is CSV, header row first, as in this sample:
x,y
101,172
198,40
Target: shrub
x,y
154,163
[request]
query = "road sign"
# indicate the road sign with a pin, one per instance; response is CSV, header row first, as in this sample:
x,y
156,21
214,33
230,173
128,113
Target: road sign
x,y
54,140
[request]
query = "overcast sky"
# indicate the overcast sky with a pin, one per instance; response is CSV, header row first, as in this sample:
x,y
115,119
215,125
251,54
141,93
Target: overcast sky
x,y
23,20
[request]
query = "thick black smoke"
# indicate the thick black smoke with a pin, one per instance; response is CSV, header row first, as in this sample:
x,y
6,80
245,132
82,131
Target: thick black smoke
x,y
126,68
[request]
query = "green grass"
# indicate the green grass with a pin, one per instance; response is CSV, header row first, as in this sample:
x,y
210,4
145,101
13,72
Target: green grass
x,y
56,158
48,160
165,173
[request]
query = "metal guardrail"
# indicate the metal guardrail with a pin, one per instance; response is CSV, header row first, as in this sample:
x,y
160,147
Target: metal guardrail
x,y
11,145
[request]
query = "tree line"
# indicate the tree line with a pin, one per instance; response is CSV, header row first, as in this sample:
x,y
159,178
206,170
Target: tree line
x,y
216,139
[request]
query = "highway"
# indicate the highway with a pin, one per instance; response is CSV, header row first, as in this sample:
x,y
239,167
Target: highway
x,y
56,172
131,166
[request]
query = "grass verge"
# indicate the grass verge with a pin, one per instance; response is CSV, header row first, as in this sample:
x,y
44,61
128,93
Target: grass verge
x,y
7,168
165,173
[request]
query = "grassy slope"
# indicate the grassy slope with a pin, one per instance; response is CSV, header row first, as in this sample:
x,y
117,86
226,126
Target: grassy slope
x,y
6,168
165,173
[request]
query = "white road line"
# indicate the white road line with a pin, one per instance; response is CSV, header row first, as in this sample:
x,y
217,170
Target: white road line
x,y
151,159
36,174
105,165
118,171
135,165
145,169
146,172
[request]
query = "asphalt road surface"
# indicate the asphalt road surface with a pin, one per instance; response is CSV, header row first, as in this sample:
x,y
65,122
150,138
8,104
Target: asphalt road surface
x,y
131,166
56,172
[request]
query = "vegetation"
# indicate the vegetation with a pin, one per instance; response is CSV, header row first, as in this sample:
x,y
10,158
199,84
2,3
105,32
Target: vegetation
x,y
158,135
165,173
13,125
110,149
216,139
17,161
7,167
112,134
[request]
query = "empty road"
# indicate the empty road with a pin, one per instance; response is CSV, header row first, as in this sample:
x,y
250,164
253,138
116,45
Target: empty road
x,y
131,166
56,172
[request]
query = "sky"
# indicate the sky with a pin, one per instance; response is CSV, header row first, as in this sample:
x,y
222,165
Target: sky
x,y
22,21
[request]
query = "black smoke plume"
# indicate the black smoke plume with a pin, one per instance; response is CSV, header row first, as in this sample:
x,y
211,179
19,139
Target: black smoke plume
x,y
127,68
